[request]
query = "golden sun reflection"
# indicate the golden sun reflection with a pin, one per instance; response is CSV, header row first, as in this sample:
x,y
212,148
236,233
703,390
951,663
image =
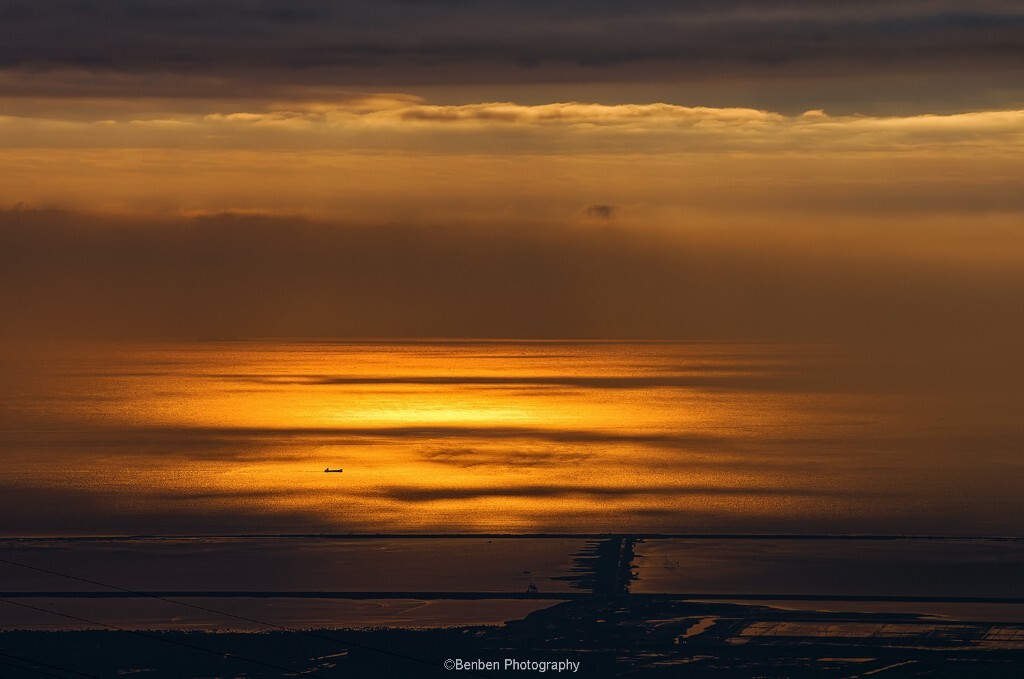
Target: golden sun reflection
x,y
492,436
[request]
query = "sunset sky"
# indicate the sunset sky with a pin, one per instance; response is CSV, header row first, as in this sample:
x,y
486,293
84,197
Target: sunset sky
x,y
730,169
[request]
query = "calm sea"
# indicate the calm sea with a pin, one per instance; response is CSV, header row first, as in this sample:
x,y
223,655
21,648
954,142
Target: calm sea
x,y
234,437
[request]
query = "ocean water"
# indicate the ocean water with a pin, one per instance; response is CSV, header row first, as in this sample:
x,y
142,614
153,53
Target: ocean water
x,y
201,438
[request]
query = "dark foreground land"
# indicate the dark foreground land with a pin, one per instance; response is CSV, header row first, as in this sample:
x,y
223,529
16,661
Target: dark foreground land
x,y
609,636
595,627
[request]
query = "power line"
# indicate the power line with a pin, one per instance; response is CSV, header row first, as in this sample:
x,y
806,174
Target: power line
x,y
52,667
206,609
286,670
29,669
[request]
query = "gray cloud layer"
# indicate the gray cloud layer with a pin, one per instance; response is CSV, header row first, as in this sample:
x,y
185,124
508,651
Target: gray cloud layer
x,y
268,44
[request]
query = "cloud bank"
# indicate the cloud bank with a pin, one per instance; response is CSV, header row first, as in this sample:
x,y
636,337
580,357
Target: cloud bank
x,y
403,123
268,43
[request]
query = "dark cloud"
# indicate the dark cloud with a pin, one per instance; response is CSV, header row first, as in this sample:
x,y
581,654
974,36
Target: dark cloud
x,y
156,439
470,458
432,494
736,380
602,212
101,512
265,44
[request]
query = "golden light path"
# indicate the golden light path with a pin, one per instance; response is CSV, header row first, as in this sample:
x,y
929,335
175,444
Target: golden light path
x,y
234,436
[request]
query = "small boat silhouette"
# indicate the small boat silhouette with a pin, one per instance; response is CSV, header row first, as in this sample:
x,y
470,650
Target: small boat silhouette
x,y
329,470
